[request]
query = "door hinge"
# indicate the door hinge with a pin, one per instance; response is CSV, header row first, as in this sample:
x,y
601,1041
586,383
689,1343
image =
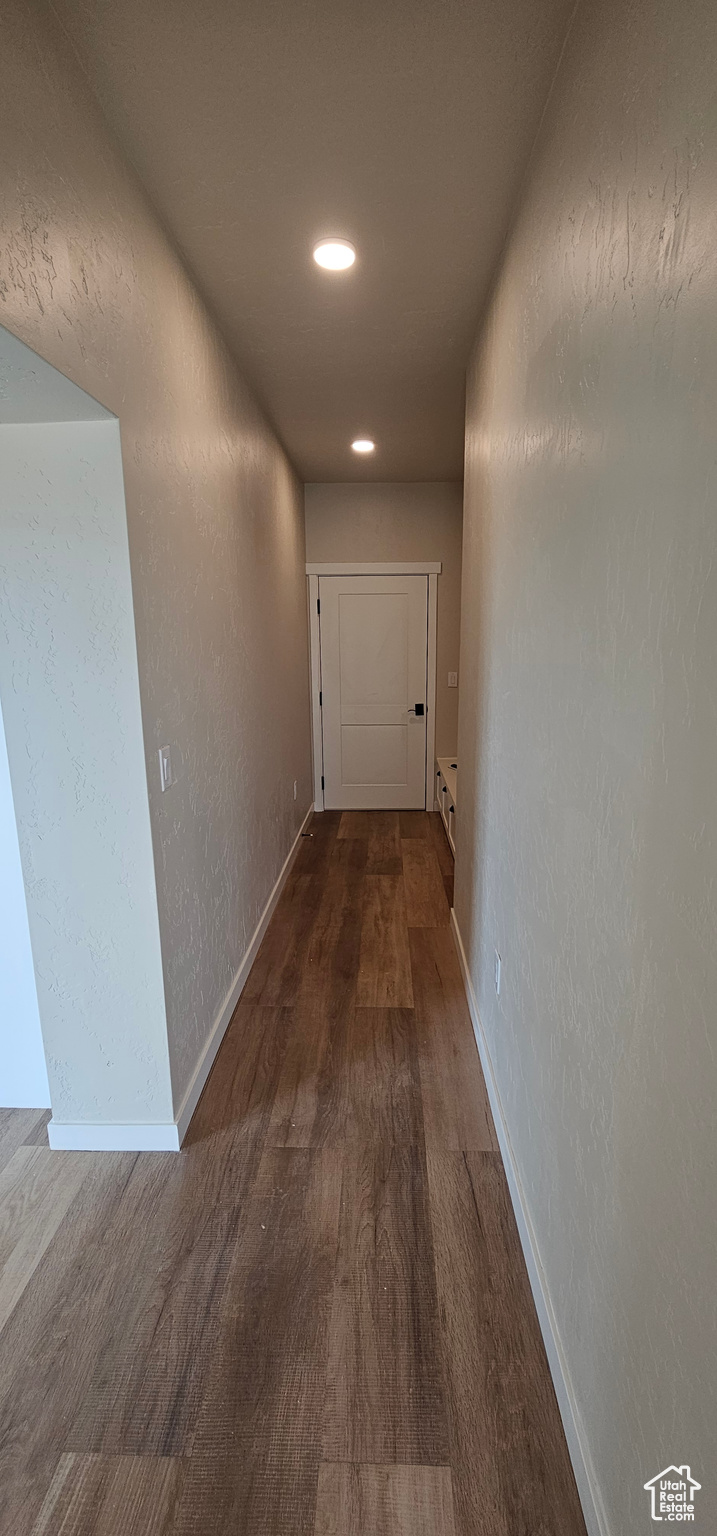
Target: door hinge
x,y
318,605
321,699
322,781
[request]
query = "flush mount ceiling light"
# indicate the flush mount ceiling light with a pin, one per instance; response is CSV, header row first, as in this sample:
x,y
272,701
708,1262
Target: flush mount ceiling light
x,y
334,255
363,445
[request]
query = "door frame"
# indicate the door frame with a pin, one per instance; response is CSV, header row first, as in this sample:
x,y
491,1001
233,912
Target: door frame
x,y
429,568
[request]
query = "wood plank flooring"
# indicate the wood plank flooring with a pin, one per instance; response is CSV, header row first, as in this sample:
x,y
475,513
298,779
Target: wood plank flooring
x,y
316,1321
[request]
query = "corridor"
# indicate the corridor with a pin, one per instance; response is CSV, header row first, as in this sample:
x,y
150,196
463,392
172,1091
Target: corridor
x,y
316,1319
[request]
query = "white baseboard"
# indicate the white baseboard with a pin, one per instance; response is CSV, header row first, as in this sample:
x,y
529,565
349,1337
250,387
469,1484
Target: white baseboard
x,y
168,1137
206,1060
113,1138
592,1504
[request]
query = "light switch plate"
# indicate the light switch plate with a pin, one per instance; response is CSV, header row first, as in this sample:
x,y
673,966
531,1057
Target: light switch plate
x,y
165,768
452,679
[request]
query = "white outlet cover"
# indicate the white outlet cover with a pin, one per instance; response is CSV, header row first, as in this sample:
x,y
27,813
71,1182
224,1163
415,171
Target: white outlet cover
x,y
452,679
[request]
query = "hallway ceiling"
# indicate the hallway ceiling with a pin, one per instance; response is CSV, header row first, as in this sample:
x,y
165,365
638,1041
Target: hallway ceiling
x,y
257,126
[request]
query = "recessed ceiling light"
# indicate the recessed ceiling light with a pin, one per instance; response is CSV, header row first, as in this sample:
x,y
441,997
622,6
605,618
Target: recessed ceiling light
x,y
363,445
334,255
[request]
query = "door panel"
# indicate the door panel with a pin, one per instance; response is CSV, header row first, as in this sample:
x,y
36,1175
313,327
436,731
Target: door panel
x,y
373,642
374,754
373,632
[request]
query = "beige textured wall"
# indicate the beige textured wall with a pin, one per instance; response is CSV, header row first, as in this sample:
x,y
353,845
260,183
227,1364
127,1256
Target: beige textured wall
x,y
422,520
588,825
215,516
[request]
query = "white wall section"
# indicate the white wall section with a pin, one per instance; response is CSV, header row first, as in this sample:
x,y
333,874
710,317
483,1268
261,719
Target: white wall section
x,y
68,678
23,1074
588,833
214,519
417,521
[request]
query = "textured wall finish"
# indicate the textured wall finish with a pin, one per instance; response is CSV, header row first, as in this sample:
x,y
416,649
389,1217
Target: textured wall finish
x,y
214,512
415,521
23,1074
68,675
588,727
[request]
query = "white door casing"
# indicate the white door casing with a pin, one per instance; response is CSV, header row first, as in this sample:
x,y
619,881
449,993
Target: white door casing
x,y
373,633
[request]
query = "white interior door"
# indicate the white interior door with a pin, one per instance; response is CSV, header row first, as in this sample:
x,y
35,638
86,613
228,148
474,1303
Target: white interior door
x,y
373,636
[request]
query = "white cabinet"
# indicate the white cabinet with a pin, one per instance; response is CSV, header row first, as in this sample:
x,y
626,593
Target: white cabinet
x,y
446,787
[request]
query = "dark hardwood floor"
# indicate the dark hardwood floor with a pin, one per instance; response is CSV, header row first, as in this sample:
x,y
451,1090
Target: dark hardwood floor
x,y
316,1321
